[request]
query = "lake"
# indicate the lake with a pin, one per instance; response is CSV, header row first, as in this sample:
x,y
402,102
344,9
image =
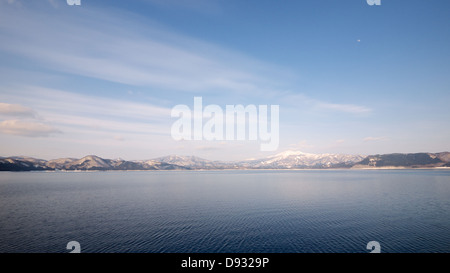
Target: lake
x,y
263,211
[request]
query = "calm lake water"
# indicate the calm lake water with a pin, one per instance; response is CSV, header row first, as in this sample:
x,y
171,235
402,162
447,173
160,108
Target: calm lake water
x,y
226,211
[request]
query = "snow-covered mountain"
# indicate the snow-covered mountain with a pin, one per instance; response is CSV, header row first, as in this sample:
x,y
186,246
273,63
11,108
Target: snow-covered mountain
x,y
183,160
299,160
23,164
193,162
60,163
93,162
87,163
284,160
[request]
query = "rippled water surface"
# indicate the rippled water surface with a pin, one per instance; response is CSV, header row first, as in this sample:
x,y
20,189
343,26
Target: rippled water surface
x,y
226,211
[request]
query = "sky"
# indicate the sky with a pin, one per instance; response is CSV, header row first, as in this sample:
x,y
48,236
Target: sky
x,y
102,78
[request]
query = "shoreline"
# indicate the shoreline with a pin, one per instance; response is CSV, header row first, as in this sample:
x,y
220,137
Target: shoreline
x,y
204,170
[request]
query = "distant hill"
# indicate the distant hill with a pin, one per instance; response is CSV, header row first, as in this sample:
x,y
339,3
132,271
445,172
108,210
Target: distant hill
x,y
28,164
285,160
416,160
87,163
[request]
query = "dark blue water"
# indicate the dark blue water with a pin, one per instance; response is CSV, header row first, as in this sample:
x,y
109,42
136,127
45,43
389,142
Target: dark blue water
x,y
226,211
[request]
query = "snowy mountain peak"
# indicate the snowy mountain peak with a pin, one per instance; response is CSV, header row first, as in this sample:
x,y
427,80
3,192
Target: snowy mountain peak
x,y
91,161
289,153
297,159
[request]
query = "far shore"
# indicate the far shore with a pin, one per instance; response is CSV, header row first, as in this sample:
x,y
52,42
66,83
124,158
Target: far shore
x,y
243,169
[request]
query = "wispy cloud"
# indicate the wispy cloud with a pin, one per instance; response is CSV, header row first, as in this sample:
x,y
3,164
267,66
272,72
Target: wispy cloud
x,y
89,114
290,98
368,139
200,6
303,144
55,3
17,110
346,108
26,128
21,3
11,2
119,138
25,122
130,54
207,148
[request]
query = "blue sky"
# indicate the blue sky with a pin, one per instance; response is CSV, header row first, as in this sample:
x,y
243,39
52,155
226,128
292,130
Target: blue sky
x,y
101,78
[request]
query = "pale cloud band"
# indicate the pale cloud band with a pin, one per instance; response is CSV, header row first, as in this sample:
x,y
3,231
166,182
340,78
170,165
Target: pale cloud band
x,y
24,122
347,108
84,114
383,138
7,109
158,58
26,128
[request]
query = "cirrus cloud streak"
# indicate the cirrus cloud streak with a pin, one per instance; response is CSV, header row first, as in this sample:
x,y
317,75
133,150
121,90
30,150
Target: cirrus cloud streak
x,y
26,128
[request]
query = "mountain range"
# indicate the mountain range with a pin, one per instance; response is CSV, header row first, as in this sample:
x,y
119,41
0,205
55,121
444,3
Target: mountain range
x,y
285,160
